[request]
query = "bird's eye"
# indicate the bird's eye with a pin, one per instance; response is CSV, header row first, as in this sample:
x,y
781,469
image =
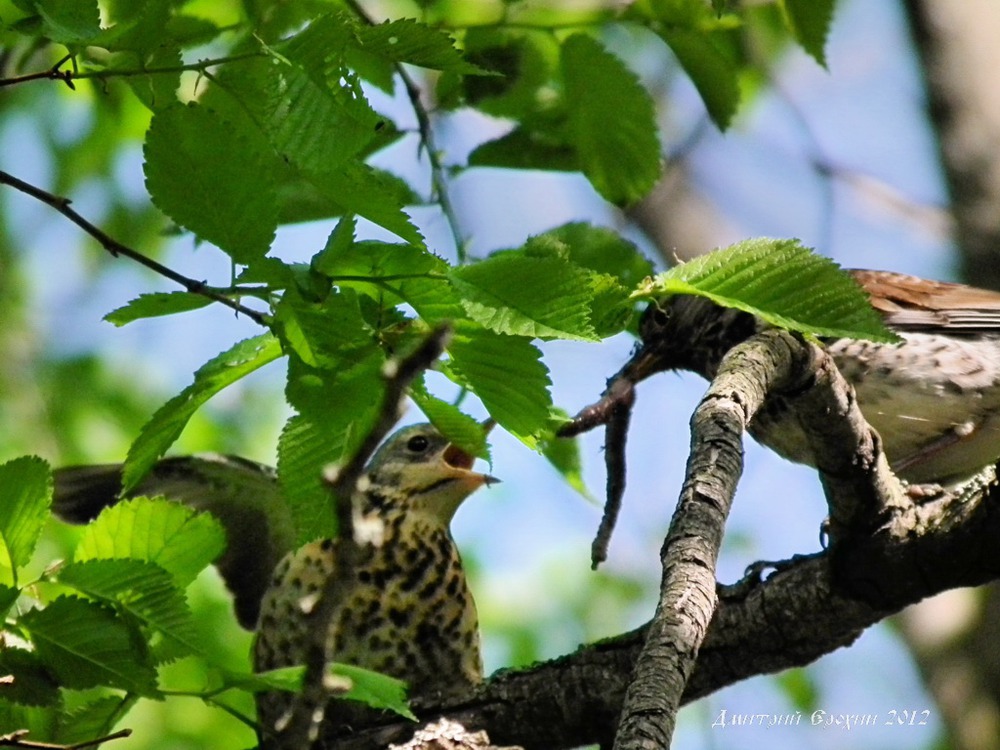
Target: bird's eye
x,y
417,443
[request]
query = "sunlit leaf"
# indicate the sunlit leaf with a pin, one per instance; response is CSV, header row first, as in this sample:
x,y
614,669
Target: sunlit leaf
x,y
155,305
26,492
507,374
612,121
174,537
780,281
166,425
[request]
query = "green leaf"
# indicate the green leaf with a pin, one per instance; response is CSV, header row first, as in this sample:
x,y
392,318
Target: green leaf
x,y
31,684
357,188
609,306
522,295
564,455
8,595
507,375
93,719
338,243
809,21
314,97
459,428
176,538
410,41
25,496
339,407
69,22
528,64
166,425
331,333
406,273
287,679
144,590
604,251
524,148
86,645
612,121
215,177
155,305
374,689
711,71
780,281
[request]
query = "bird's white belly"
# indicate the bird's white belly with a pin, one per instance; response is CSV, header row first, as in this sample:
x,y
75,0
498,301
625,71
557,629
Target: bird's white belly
x,y
933,400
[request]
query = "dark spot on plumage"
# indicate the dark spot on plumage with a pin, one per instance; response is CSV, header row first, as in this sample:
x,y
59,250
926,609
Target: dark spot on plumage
x,y
376,500
433,584
399,617
364,576
411,554
326,545
456,620
381,577
452,588
415,572
427,634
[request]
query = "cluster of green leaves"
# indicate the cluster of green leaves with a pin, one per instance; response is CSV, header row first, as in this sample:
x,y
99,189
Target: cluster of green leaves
x,y
114,614
278,128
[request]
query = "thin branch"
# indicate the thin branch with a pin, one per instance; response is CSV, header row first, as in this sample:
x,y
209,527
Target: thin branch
x,y
54,73
14,739
307,712
439,181
615,435
68,76
115,248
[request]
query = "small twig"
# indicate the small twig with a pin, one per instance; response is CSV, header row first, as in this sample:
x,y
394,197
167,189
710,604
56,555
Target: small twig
x,y
438,179
614,410
54,73
307,711
115,248
615,435
14,740
69,76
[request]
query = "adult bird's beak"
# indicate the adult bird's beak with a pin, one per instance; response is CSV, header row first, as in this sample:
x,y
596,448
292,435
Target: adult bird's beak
x,y
458,464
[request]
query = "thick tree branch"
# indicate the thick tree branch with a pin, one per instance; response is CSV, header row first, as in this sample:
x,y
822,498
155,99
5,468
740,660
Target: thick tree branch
x,y
766,363
812,606
861,492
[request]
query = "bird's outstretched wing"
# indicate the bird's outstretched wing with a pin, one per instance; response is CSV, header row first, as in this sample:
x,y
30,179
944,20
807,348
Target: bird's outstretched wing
x,y
243,495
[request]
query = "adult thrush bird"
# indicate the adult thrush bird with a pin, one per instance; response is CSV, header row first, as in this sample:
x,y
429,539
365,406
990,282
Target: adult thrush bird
x,y
407,611
934,398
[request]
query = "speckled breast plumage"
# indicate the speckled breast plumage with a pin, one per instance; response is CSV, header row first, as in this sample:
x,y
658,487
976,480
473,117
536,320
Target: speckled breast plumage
x,y
409,615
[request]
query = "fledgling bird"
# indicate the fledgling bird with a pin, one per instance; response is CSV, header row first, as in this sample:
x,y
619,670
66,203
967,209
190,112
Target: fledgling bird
x,y
934,398
408,612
